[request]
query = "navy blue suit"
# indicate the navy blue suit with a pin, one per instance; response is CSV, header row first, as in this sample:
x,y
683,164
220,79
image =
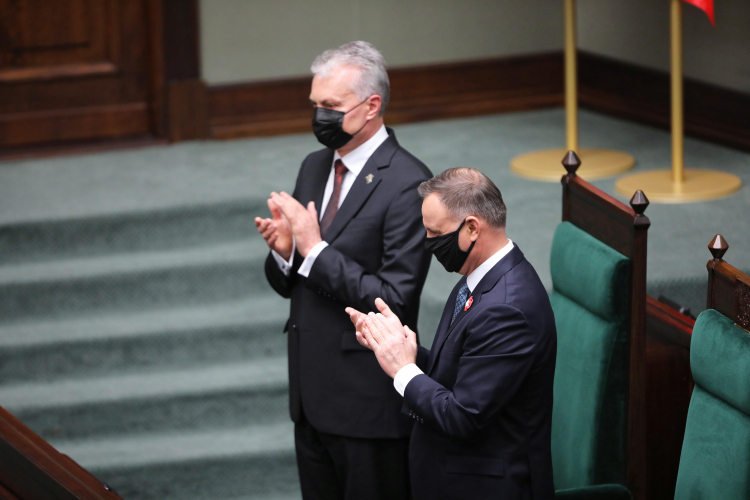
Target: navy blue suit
x,y
483,408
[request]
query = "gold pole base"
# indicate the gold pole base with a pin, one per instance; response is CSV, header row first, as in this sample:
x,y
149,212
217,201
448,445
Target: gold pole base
x,y
595,163
699,185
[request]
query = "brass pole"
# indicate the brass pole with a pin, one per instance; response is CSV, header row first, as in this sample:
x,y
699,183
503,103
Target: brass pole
x,y
673,186
678,129
571,77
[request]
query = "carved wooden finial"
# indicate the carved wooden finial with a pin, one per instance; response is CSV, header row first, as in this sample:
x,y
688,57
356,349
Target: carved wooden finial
x,y
639,202
571,162
718,247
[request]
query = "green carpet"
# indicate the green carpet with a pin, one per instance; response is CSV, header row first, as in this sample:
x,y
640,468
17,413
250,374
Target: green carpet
x,y
137,331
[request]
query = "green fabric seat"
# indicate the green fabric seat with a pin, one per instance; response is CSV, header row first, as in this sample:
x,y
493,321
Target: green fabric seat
x,y
590,299
715,459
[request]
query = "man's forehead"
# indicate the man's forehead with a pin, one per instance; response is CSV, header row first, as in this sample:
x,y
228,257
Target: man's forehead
x,y
337,82
434,211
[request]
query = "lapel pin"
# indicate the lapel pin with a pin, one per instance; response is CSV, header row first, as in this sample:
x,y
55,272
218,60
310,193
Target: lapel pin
x,y
368,178
468,303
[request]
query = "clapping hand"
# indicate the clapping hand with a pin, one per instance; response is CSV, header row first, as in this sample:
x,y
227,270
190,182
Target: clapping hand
x,y
276,231
394,344
304,221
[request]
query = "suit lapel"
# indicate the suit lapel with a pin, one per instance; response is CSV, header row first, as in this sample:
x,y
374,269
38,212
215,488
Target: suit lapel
x,y
485,285
364,185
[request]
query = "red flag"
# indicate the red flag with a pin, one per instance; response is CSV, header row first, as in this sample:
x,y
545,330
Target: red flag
x,y
706,6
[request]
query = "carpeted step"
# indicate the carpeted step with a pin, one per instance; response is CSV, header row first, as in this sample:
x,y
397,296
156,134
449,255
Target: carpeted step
x,y
252,462
133,281
168,228
87,346
212,397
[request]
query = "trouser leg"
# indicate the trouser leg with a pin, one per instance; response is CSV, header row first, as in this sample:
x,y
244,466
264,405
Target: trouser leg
x,y
342,468
370,469
317,472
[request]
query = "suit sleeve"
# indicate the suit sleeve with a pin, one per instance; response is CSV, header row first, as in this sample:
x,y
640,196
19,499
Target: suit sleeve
x,y
497,355
277,279
404,266
423,356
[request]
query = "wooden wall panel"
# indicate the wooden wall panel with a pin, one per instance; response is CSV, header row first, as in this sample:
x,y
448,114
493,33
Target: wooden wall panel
x,y
65,38
73,69
417,94
495,86
641,94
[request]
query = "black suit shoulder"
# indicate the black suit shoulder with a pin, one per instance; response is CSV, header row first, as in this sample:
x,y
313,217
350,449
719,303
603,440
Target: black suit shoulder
x,y
410,166
317,156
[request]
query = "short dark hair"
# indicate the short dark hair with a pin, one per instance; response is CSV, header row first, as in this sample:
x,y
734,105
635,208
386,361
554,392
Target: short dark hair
x,y
466,191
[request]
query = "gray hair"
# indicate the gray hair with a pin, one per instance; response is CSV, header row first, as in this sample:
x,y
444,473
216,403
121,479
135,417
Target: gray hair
x,y
467,191
373,77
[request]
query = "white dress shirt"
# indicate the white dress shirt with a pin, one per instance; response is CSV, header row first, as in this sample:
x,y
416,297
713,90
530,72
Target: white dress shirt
x,y
354,162
408,372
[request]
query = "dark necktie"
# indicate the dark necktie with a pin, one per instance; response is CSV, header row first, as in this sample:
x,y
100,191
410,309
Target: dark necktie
x,y
333,201
463,294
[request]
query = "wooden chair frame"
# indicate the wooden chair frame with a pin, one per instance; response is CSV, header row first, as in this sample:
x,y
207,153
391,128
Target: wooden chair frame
x,y
728,287
624,229
31,469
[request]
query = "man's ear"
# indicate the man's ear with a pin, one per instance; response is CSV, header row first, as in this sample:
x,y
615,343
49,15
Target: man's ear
x,y
374,104
475,227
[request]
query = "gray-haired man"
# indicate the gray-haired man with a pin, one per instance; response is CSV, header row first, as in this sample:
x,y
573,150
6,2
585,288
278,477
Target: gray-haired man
x,y
350,232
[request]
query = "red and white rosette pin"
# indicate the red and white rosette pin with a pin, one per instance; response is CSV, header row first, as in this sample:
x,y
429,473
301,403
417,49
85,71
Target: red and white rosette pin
x,y
469,303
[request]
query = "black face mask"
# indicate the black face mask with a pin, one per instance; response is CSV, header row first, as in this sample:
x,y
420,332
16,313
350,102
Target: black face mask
x,y
328,125
446,250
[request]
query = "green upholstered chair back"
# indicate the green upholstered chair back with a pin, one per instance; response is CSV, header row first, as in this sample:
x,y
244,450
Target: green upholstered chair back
x,y
590,299
715,459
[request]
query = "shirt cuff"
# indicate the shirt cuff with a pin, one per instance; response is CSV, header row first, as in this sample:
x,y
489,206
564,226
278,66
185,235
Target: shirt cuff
x,y
404,376
285,265
307,264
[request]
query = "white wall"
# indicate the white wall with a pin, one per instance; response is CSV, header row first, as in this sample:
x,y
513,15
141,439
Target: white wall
x,y
246,40
637,31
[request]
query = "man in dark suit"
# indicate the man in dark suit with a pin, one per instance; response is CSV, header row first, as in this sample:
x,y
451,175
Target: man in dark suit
x,y
367,242
481,398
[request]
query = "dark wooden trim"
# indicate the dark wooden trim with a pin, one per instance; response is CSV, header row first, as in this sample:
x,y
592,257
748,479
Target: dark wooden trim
x,y
179,104
636,93
667,324
59,71
187,110
729,292
669,385
78,147
181,40
7,495
495,86
620,227
32,469
71,124
417,94
156,68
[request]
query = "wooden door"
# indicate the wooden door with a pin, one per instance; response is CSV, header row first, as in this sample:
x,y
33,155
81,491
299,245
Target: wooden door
x,y
75,70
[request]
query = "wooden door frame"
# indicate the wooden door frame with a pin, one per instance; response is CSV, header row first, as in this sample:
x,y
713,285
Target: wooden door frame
x,y
179,102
